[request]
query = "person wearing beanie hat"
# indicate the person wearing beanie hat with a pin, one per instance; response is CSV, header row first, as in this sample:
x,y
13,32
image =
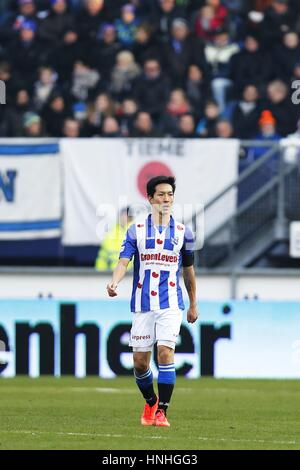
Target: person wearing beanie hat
x,y
32,125
127,25
266,118
31,118
128,8
267,124
27,11
26,52
267,133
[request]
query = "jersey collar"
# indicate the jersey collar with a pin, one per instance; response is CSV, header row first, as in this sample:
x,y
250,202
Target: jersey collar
x,y
151,224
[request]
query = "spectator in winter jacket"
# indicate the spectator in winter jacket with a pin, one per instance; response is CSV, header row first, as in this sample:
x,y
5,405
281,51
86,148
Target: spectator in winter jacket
x,y
224,129
286,55
63,57
206,126
146,45
144,126
100,108
196,87
32,125
187,127
71,128
210,18
281,106
54,114
279,19
245,113
127,25
123,75
104,50
152,89
14,114
10,21
218,55
267,132
84,81
180,51
163,18
44,86
27,53
59,20
89,20
110,128
251,65
127,116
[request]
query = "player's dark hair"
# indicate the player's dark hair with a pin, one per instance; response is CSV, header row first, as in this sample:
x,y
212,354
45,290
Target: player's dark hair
x,y
151,185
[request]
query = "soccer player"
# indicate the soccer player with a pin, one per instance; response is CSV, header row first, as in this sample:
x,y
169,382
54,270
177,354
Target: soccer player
x,y
160,245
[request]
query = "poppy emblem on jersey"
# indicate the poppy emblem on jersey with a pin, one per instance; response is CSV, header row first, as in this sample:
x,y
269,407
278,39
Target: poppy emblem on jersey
x,y
153,293
140,225
155,275
140,285
179,227
159,242
172,284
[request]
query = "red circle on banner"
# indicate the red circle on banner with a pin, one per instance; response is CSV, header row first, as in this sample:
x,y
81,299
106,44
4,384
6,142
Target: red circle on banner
x,y
148,171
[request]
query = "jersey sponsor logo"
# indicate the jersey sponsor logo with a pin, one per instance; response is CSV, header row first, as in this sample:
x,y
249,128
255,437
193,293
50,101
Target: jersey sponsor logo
x,y
137,338
159,257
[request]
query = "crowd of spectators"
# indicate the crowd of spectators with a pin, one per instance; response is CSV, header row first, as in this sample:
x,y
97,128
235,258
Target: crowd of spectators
x,y
149,68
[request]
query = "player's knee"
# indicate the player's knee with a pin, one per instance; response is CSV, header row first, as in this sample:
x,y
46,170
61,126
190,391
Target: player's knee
x,y
140,364
165,355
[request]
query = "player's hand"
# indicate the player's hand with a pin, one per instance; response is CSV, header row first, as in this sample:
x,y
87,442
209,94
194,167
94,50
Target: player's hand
x,y
111,289
192,314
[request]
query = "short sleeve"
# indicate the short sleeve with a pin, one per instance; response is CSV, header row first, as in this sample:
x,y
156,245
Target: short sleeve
x,y
129,245
188,248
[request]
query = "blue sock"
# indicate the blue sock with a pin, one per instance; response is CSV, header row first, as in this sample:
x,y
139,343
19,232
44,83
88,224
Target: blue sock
x,y
145,384
166,382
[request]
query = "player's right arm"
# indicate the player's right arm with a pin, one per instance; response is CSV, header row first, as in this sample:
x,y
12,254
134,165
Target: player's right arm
x,y
128,250
118,274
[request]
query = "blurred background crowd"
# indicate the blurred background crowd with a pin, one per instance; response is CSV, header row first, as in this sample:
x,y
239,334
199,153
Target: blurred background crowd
x,y
149,68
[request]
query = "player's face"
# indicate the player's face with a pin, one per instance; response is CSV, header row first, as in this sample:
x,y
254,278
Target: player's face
x,y
163,198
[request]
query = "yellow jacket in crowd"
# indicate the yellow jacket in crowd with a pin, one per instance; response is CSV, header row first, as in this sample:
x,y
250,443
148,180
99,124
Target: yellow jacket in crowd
x,y
108,255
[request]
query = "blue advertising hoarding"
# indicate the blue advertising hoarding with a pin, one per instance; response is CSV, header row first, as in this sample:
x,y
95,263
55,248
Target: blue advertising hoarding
x,y
232,339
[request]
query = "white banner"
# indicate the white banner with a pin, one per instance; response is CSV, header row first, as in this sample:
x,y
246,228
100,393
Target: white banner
x,y
30,190
104,175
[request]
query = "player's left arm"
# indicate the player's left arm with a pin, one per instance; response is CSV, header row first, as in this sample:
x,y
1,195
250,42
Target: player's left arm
x,y
190,284
189,273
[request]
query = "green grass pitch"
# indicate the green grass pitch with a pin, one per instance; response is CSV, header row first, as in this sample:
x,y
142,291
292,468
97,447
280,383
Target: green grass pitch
x,y
68,413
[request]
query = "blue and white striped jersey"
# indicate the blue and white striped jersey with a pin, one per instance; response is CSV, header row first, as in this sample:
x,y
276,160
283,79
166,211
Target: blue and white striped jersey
x,y
158,257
